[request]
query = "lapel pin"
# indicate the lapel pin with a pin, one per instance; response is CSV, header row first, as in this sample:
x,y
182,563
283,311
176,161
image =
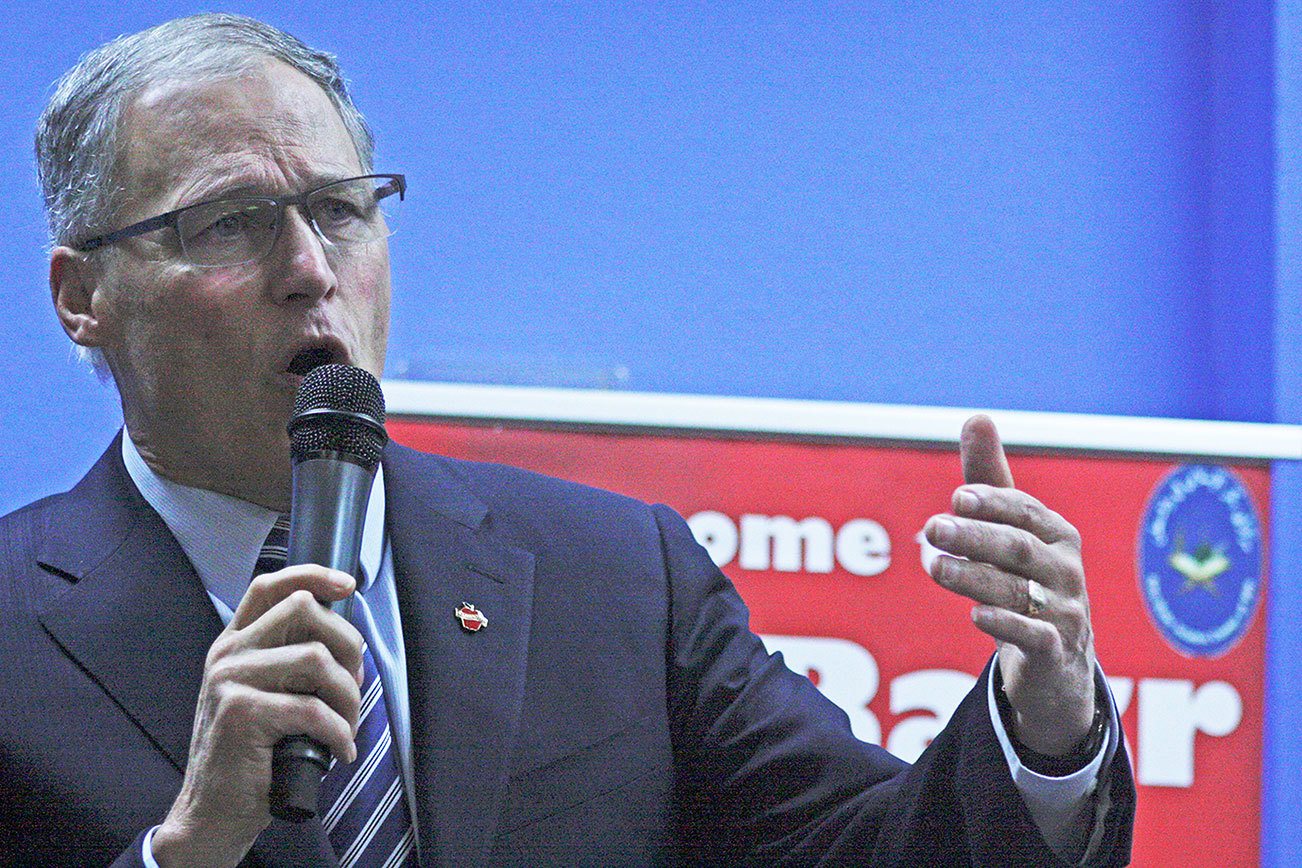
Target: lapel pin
x,y
472,620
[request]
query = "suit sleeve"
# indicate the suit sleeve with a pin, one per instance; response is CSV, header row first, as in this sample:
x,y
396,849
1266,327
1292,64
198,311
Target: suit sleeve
x,y
767,768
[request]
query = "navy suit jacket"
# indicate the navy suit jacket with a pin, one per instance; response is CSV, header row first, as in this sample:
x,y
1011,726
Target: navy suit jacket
x,y
616,709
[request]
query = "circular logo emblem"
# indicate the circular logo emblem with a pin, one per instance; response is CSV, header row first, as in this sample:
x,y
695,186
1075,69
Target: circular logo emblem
x,y
1200,559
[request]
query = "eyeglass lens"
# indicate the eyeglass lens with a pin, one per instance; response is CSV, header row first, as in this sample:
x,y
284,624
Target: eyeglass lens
x,y
235,231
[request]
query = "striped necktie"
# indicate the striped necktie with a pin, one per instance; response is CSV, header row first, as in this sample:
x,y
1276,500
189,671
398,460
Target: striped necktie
x,y
364,804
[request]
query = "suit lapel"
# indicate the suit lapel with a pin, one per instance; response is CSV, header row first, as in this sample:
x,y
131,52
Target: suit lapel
x,y
137,619
135,615
466,688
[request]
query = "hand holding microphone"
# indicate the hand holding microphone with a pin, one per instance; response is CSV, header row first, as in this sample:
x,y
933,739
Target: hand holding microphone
x,y
286,665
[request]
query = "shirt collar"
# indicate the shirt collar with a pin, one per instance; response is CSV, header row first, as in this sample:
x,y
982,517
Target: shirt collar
x,y
221,535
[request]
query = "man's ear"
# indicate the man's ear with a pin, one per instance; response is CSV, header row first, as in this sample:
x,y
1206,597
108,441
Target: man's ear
x,y
74,287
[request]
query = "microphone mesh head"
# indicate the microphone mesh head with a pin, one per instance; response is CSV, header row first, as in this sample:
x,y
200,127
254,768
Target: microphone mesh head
x,y
346,393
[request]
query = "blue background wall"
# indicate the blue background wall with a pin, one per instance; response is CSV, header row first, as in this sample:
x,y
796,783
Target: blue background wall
x,y
1001,204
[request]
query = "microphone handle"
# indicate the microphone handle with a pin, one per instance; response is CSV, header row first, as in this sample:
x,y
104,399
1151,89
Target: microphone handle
x,y
326,520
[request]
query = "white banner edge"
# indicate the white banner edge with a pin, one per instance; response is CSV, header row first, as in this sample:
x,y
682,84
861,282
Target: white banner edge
x,y
841,419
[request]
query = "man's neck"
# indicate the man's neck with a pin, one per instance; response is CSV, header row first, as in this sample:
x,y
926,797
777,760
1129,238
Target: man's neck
x,y
270,488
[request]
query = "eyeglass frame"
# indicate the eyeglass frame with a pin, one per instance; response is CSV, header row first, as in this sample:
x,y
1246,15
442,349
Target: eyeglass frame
x,y
171,218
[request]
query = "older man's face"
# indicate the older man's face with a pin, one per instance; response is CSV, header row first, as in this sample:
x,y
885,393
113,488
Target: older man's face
x,y
202,355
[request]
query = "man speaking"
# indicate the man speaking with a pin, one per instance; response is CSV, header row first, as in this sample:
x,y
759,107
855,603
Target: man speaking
x,y
218,232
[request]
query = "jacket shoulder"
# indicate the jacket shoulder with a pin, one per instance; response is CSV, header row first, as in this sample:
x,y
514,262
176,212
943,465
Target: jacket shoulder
x,y
21,530
543,513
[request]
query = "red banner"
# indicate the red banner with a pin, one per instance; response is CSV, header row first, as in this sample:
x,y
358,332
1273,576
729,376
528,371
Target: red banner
x,y
822,541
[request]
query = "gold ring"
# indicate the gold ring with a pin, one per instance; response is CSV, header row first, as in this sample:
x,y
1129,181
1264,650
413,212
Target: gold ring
x,y
1036,599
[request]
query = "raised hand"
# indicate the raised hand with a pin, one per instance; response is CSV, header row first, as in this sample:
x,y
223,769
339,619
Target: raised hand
x,y
1021,563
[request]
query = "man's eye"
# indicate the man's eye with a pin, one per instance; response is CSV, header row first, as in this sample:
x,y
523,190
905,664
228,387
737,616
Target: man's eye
x,y
229,225
221,227
337,211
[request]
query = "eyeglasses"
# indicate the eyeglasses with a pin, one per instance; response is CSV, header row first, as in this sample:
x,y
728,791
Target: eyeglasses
x,y
245,229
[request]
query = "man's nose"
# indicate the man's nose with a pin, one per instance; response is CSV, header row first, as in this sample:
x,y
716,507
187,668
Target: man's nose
x,y
304,264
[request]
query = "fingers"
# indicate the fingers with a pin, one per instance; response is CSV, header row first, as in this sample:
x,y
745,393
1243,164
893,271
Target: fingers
x,y
983,455
258,719
293,654
1016,508
297,658
298,618
985,584
1008,552
1032,635
1003,555
269,589
307,669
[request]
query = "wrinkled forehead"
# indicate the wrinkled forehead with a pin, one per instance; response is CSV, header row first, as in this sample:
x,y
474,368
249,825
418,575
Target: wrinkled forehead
x,y
267,126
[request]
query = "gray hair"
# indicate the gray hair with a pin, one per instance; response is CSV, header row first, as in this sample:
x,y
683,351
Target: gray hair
x,y
76,137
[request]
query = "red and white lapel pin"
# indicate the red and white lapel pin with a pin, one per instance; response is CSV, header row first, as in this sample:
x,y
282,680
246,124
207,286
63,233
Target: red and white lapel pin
x,y
472,620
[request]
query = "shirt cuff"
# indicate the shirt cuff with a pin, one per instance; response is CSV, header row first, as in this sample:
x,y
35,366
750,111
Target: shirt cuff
x,y
1060,807
147,849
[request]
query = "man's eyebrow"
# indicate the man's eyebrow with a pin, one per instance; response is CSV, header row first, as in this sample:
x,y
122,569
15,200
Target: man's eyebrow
x,y
249,189
238,191
220,191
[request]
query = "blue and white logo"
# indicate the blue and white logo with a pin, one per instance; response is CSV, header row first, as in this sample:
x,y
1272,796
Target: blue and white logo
x,y
1200,559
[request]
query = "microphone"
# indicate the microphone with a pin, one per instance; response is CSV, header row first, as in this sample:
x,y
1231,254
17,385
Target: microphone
x,y
336,436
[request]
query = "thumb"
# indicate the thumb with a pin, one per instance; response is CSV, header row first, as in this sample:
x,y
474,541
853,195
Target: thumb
x,y
983,454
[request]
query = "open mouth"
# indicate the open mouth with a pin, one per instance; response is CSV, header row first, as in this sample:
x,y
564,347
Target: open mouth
x,y
314,357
